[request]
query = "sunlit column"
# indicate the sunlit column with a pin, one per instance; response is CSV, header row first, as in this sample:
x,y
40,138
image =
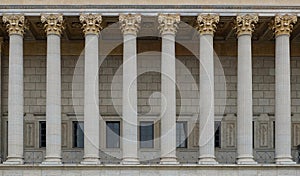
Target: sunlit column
x,y
168,25
53,28
15,27
129,25
244,26
283,26
91,29
206,27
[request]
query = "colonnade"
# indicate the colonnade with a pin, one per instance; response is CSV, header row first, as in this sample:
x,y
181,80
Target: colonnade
x,y
168,26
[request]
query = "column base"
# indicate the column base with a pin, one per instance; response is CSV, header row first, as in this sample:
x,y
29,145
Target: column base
x,y
169,161
207,160
284,160
51,161
130,161
246,160
14,161
90,161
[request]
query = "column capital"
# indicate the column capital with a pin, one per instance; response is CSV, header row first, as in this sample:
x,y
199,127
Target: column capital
x,y
207,23
53,23
129,23
283,24
15,24
168,23
91,23
245,24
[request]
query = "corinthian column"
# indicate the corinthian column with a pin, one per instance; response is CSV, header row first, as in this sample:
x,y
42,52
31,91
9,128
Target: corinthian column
x,y
53,28
15,28
168,26
91,28
283,26
207,25
129,27
244,26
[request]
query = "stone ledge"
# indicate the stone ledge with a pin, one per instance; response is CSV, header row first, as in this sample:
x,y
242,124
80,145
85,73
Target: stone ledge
x,y
151,166
159,170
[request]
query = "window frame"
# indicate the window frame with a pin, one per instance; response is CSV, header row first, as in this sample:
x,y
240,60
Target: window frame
x,y
40,133
186,135
140,133
75,135
106,134
219,131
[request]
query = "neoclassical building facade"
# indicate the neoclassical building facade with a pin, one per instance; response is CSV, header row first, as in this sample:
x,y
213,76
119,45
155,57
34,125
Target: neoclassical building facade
x,y
130,88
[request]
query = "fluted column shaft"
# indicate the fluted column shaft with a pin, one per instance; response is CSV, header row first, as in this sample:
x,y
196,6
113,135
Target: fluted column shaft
x,y
206,27
168,28
129,27
15,26
53,27
245,27
91,26
283,26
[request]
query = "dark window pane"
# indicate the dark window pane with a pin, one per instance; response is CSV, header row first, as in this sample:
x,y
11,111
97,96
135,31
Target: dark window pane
x,y
181,134
253,134
146,134
78,136
42,128
274,134
113,134
218,134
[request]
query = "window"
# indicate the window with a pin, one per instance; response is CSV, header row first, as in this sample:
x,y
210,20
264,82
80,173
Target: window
x,y
181,134
42,128
113,134
218,134
146,134
274,133
78,136
253,134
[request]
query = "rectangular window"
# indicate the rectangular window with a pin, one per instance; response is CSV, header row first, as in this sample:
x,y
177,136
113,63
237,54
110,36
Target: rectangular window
x,y
274,133
146,134
218,134
78,136
253,134
42,131
113,134
181,134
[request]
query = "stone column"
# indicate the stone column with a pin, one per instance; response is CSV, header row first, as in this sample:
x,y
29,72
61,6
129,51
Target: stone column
x,y
15,27
129,25
168,26
91,29
245,26
207,27
53,28
283,26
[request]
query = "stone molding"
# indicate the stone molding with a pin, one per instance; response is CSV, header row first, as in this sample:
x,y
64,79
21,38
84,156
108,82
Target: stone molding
x,y
168,23
245,24
130,23
283,24
53,23
15,24
207,23
91,23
